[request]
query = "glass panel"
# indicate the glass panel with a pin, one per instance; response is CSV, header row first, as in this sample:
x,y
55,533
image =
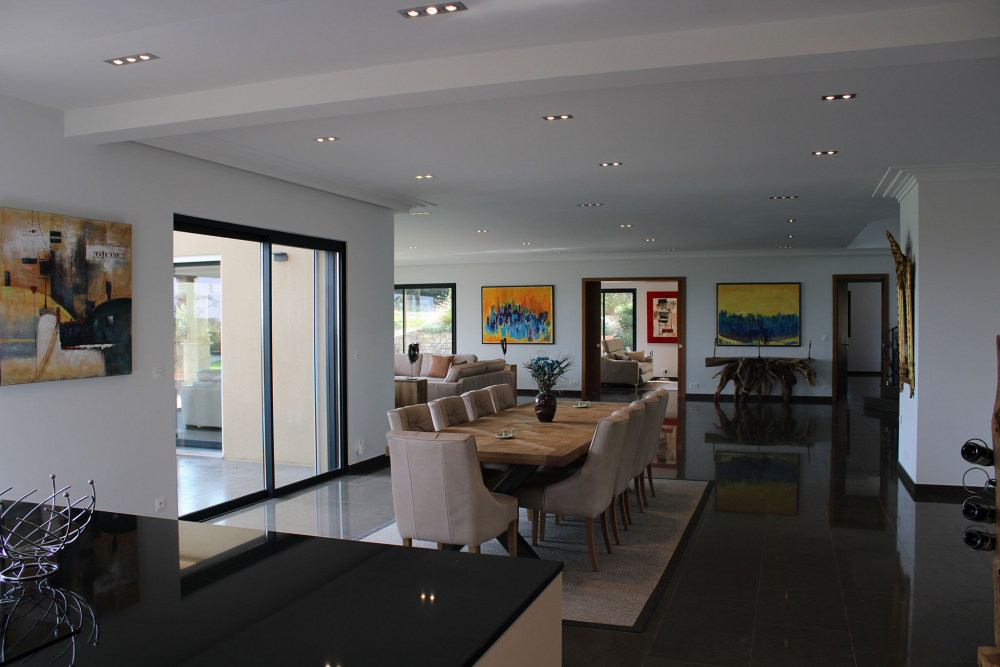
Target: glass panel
x,y
619,317
217,369
429,319
302,304
397,320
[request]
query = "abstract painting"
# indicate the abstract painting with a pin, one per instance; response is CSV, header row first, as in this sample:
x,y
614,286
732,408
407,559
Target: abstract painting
x,y
758,314
661,317
65,299
521,314
757,483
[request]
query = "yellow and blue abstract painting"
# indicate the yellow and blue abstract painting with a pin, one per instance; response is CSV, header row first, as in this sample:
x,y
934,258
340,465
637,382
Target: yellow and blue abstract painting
x,y
521,314
759,314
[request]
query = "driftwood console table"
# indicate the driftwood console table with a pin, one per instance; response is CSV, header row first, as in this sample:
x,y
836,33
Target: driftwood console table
x,y
759,374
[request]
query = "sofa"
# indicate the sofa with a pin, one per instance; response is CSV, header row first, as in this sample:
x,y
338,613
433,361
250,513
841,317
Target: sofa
x,y
466,374
618,368
201,401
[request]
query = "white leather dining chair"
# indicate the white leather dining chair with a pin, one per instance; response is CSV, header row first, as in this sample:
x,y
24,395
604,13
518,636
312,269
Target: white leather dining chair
x,y
447,412
478,403
503,397
411,418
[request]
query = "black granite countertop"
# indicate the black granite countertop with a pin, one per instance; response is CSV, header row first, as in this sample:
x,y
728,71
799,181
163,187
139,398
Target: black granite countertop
x,y
176,593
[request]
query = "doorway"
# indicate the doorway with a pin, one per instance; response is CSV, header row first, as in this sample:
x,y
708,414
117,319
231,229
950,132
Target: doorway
x,y
860,326
258,364
596,322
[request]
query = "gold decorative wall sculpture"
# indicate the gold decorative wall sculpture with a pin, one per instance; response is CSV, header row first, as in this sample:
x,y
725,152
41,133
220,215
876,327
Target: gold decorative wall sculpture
x,y
904,304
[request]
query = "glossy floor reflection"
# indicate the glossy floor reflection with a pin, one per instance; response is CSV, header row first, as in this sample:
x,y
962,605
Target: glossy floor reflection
x,y
810,551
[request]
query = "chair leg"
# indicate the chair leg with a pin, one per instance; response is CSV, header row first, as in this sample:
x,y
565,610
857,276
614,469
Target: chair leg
x,y
541,527
627,506
557,517
440,546
534,528
638,493
473,548
649,473
641,481
590,544
512,538
407,541
604,531
614,522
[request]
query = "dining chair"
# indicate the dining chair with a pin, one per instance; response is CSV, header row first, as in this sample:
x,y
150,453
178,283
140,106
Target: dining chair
x,y
503,397
636,413
587,493
654,442
447,412
438,493
478,403
411,418
638,468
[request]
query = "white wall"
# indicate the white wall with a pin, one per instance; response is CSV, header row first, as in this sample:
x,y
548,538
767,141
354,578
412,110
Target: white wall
x,y
664,354
865,353
957,321
120,430
814,271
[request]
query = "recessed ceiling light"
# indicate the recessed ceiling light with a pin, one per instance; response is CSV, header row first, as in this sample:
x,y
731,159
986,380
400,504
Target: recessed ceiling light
x,y
590,204
526,243
564,116
323,140
785,197
413,247
791,220
625,225
482,231
558,252
128,60
824,152
791,236
420,212
668,249
650,239
433,10
784,247
611,164
425,176
841,96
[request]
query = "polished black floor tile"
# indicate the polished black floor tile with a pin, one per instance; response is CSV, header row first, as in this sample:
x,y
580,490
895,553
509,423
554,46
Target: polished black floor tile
x,y
659,662
586,647
706,630
786,646
801,606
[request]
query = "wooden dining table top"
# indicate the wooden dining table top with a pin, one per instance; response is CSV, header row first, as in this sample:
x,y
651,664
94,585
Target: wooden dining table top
x,y
557,443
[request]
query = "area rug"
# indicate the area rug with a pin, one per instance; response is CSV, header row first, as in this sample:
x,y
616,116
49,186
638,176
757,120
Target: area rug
x,y
623,594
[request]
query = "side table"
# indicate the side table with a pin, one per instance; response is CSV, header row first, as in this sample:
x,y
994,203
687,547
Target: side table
x,y
411,392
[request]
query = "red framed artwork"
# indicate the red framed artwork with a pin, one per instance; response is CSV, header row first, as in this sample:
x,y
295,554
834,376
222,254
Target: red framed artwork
x,y
661,317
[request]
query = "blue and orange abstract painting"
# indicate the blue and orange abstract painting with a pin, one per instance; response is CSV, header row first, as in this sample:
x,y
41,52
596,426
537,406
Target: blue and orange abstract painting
x,y
521,314
758,314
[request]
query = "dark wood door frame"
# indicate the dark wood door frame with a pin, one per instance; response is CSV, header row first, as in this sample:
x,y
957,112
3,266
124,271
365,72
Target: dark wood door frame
x,y
882,278
681,330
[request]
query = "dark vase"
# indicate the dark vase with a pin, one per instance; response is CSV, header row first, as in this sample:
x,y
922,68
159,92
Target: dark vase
x,y
545,407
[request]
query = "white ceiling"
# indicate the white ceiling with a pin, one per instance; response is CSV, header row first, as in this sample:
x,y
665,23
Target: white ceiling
x,y
711,106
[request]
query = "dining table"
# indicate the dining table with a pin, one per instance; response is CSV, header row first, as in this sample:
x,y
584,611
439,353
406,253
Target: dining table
x,y
556,444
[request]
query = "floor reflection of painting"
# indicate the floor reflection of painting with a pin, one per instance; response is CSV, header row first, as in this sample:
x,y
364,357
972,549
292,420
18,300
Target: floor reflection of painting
x,y
757,483
65,299
670,452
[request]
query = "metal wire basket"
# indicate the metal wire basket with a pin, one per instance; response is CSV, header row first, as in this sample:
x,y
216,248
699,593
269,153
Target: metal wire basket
x,y
31,535
43,620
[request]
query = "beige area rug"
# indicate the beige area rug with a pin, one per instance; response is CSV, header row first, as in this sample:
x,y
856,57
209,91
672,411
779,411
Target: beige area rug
x,y
622,595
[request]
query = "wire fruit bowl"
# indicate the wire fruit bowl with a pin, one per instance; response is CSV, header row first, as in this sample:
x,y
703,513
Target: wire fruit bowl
x,y
35,535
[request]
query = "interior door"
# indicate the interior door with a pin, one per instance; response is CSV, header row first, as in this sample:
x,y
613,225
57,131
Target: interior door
x,y
591,338
843,344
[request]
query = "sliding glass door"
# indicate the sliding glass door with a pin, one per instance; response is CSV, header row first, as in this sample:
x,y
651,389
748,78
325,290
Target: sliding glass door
x,y
425,314
258,349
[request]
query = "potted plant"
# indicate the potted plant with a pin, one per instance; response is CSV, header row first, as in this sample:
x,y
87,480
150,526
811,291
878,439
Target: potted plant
x,y
546,373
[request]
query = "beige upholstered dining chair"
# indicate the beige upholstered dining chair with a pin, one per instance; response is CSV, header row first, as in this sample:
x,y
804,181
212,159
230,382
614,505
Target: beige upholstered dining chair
x,y
503,397
447,412
653,444
439,496
656,407
632,449
411,418
478,403
588,492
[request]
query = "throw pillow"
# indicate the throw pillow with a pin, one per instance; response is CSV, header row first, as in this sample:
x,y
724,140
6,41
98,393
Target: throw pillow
x,y
619,356
440,365
636,356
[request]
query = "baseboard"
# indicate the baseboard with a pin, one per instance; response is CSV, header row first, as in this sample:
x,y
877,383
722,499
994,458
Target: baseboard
x,y
728,398
373,464
930,493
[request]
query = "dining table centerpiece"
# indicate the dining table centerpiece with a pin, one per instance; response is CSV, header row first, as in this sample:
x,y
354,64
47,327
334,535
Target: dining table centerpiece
x,y
546,372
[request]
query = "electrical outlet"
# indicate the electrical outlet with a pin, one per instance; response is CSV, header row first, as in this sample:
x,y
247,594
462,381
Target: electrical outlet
x,y
574,383
825,337
694,385
157,372
826,387
361,446
160,504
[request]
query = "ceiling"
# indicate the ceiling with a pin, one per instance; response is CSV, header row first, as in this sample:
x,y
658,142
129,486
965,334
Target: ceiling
x,y
712,107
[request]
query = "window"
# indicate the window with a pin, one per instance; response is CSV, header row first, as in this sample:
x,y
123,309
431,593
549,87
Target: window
x,y
424,314
618,321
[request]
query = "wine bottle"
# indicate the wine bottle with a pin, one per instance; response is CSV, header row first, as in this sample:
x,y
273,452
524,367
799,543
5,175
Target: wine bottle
x,y
976,451
974,511
979,540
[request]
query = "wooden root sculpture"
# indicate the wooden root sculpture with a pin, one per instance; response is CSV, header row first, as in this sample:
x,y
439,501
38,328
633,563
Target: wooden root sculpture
x,y
758,374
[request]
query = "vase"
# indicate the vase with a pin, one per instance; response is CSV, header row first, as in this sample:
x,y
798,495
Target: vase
x,y
545,407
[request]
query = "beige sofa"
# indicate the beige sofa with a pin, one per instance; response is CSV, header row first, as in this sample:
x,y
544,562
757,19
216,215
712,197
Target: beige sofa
x,y
469,375
616,368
